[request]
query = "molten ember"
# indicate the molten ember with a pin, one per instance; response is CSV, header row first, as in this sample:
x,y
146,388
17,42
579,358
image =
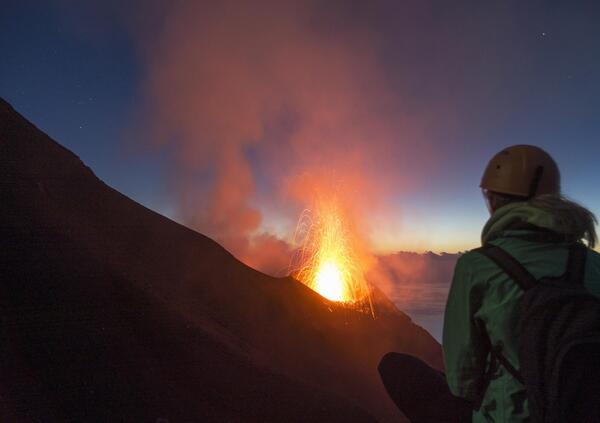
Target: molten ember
x,y
326,259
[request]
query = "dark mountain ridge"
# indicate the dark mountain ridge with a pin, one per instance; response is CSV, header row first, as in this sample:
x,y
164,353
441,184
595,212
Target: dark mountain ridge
x,y
112,312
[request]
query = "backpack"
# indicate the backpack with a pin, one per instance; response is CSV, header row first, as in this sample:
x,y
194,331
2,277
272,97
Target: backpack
x,y
558,320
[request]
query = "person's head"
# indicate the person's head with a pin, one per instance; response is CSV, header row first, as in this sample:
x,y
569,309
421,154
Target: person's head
x,y
525,173
519,173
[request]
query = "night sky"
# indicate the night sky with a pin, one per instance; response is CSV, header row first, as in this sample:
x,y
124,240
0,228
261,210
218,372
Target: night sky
x,y
423,93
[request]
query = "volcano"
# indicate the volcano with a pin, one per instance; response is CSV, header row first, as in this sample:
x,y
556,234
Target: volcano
x,y
112,312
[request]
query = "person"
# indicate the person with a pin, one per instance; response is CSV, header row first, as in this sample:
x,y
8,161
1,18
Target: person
x,y
537,226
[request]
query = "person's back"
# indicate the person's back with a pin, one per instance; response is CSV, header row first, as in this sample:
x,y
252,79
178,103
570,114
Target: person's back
x,y
535,241
541,235
484,304
532,222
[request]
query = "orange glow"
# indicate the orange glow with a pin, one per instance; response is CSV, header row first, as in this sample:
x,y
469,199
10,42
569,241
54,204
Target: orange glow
x,y
329,281
326,260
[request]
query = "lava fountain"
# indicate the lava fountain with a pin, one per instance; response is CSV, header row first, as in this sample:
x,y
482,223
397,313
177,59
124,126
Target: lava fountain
x,y
326,260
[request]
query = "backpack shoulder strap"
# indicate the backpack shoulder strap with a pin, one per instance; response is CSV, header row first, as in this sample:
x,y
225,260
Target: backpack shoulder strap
x,y
575,272
496,352
524,279
509,265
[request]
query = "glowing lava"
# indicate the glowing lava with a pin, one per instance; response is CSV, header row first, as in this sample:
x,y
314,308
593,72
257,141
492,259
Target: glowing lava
x,y
329,282
326,259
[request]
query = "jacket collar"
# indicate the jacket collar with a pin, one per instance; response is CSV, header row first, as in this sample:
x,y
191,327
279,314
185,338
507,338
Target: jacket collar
x,y
521,219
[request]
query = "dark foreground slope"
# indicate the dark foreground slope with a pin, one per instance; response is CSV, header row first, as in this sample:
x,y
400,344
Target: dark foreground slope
x,y
111,312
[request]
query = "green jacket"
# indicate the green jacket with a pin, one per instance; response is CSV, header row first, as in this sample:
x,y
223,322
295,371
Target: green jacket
x,y
483,299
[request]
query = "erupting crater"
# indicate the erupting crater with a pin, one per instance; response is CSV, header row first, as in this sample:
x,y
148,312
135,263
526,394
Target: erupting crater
x,y
326,259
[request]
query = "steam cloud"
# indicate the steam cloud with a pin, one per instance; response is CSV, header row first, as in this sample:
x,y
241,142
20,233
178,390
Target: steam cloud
x,y
282,91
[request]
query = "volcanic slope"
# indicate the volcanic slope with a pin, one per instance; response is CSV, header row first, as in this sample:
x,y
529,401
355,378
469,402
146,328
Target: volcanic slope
x,y
112,312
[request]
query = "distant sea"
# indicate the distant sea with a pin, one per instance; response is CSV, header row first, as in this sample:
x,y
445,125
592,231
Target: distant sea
x,y
418,285
429,315
433,323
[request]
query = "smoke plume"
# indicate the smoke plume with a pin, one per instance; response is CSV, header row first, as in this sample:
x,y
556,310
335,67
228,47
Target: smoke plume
x,y
267,105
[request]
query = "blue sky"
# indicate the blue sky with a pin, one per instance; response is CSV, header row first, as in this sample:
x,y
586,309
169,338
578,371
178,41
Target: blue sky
x,y
82,91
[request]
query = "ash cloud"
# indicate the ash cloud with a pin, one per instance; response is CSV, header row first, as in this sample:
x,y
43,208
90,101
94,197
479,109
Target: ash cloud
x,y
263,106
292,93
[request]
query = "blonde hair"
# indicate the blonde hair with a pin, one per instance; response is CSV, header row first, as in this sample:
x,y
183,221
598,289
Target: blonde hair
x,y
573,217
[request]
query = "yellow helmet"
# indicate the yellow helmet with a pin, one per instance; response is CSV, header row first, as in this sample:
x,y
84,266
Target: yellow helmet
x,y
522,170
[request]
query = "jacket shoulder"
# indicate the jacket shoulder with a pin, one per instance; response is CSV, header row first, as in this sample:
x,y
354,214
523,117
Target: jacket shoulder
x,y
472,259
472,271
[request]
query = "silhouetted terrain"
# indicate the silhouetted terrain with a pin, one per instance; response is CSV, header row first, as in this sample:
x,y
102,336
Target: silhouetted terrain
x,y
111,312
